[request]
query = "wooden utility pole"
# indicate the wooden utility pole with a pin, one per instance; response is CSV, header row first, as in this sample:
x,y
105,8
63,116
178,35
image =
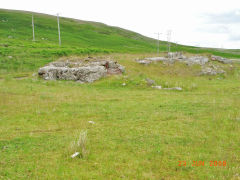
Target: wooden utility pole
x,y
59,35
33,27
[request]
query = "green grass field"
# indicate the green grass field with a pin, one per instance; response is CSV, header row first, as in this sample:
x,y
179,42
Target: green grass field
x,y
139,132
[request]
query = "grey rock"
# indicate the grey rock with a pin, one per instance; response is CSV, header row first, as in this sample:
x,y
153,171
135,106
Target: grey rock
x,y
79,71
157,59
144,62
174,88
113,67
112,64
150,82
157,87
175,56
75,154
201,60
213,70
121,68
221,59
150,60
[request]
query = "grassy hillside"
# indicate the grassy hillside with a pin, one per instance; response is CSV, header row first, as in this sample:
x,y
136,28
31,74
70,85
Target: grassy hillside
x,y
78,37
139,132
19,53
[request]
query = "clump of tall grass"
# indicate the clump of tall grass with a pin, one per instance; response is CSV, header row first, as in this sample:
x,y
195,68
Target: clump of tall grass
x,y
79,145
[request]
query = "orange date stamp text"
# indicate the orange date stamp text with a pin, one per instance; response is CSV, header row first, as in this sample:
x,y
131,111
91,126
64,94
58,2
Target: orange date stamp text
x,y
203,163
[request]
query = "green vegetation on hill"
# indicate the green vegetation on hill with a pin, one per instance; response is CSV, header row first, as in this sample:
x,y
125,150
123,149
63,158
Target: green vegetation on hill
x,y
78,37
139,132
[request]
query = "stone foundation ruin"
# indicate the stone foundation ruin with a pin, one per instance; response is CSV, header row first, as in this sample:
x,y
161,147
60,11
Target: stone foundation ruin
x,y
83,71
206,64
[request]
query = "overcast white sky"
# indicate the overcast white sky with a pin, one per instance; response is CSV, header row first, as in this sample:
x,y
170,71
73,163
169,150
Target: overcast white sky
x,y
208,23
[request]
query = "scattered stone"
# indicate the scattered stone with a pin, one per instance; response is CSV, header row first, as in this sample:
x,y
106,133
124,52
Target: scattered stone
x,y
174,88
10,57
157,87
157,59
213,70
221,59
207,68
81,71
91,122
75,155
147,61
123,84
196,60
175,56
150,82
144,62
